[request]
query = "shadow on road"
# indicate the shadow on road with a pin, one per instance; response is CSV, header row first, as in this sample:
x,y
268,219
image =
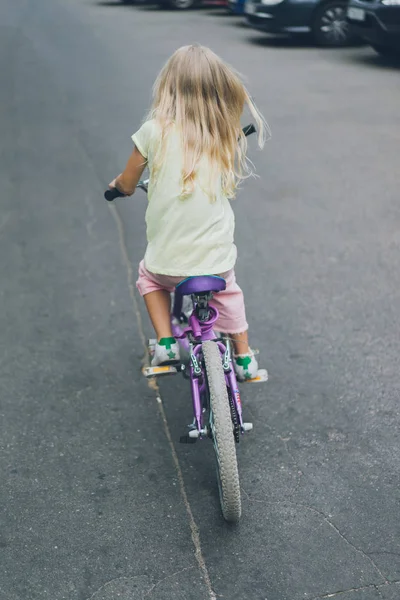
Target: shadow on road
x,y
375,61
138,4
151,6
282,41
218,11
241,24
193,9
230,19
112,4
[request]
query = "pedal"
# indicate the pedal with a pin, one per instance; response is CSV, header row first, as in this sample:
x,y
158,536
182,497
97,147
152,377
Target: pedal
x,y
247,426
159,371
262,376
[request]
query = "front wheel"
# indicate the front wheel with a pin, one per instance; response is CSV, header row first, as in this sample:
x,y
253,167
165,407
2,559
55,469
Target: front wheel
x,y
330,26
222,434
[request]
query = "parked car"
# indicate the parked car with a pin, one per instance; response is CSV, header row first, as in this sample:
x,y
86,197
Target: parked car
x,y
236,6
185,4
378,23
325,19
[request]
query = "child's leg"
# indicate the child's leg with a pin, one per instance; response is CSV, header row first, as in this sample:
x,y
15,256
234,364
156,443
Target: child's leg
x,y
156,291
232,322
158,304
240,342
232,313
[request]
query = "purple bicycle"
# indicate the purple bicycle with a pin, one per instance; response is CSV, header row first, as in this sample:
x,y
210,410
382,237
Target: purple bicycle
x,y
216,400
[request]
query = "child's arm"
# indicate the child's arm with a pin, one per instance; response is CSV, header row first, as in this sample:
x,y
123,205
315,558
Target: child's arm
x,y
128,180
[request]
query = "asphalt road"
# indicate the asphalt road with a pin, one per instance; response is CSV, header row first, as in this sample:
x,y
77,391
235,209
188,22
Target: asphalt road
x,y
97,501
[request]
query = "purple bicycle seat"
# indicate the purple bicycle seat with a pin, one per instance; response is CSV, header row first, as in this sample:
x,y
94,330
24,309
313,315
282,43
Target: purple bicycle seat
x,y
200,285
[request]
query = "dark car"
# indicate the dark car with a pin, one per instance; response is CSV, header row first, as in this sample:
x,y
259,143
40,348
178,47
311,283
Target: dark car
x,y
325,19
182,4
236,6
378,23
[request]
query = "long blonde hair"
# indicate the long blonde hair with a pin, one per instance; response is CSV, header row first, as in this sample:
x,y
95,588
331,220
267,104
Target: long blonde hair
x,y
204,97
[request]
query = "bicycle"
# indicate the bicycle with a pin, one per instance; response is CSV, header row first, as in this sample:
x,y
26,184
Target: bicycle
x,y
216,399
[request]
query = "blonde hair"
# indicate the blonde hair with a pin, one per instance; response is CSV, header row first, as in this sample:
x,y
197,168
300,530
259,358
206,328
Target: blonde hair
x,y
204,97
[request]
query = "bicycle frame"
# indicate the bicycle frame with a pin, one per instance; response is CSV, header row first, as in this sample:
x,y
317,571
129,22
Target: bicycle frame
x,y
191,338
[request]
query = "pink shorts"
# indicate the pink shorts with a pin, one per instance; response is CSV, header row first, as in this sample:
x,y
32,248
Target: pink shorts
x,y
229,303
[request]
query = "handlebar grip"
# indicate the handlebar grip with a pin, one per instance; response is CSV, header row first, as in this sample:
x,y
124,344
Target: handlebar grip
x,y
112,193
249,129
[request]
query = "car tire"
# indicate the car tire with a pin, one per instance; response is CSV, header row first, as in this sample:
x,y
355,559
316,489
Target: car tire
x,y
177,4
386,51
330,27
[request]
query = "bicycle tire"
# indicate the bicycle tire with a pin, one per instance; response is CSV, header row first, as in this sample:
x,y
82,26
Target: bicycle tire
x,y
222,434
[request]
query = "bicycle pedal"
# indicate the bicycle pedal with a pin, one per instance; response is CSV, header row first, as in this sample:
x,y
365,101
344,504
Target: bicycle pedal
x,y
159,371
247,426
262,376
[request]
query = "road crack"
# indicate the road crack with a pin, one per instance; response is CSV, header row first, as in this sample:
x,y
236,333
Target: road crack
x,y
328,522
155,585
111,582
154,386
370,586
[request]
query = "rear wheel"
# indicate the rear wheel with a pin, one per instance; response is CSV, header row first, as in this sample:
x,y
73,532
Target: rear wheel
x,y
222,434
330,26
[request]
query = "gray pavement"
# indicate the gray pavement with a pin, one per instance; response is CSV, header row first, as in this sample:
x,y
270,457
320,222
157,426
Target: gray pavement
x,y
96,502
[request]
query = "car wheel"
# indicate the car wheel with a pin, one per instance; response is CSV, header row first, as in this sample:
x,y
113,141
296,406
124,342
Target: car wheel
x,y
330,26
386,51
178,4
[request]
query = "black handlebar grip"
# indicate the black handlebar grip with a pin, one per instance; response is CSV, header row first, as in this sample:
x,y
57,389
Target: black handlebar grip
x,y
249,129
113,193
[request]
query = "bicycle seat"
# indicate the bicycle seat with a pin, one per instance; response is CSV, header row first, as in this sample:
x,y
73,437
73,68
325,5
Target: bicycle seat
x,y
200,285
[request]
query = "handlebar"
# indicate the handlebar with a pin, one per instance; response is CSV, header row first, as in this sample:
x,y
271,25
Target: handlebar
x,y
113,193
249,129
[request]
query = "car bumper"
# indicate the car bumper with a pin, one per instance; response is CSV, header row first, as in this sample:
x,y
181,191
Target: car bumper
x,y
286,17
380,24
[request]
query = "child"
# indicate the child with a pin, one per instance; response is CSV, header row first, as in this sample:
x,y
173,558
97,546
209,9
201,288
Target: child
x,y
195,150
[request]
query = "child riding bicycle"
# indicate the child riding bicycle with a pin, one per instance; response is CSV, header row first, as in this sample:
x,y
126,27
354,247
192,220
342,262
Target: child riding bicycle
x,y
194,147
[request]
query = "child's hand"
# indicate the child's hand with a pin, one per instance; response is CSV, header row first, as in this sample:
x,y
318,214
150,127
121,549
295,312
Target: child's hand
x,y
113,183
127,181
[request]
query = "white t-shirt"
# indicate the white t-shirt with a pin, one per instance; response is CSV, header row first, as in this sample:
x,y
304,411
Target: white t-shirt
x,y
186,237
